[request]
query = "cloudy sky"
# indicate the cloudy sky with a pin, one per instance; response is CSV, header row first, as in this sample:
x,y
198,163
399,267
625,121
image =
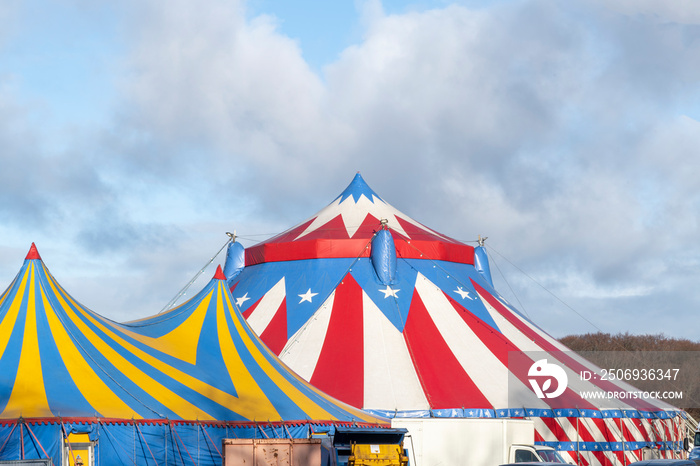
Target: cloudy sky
x,y
135,134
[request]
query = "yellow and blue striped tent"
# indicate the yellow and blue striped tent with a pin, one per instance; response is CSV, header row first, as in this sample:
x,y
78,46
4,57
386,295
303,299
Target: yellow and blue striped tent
x,y
198,365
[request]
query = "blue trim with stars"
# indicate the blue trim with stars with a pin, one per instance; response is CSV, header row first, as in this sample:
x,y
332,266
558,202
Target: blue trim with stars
x,y
610,446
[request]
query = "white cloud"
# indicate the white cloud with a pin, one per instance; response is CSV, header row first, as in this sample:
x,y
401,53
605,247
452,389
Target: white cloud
x,y
554,128
208,77
528,122
679,11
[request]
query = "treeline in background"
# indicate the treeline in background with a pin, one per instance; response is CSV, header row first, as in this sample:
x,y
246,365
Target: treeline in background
x,y
624,351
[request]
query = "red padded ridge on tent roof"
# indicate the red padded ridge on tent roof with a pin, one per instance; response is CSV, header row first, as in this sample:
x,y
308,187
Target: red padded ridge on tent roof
x,y
333,248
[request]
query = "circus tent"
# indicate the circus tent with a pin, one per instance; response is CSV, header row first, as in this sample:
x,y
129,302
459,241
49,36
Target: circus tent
x,y
166,389
393,317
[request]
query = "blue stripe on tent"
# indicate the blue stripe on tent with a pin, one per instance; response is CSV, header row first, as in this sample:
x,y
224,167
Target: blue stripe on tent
x,y
61,391
258,279
356,189
453,278
331,407
327,273
121,382
611,413
155,443
23,445
257,284
160,324
318,275
610,446
9,364
140,401
209,351
285,406
11,291
395,309
511,412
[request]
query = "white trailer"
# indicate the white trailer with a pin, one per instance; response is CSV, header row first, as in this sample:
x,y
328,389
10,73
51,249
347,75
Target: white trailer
x,y
453,441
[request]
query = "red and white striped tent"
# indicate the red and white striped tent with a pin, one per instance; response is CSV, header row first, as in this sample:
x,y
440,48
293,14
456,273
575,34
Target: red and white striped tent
x,y
388,315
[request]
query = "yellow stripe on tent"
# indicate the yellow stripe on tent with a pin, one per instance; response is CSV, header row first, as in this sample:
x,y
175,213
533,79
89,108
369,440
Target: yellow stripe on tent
x,y
28,397
7,291
165,396
91,386
250,393
10,320
310,407
261,405
179,342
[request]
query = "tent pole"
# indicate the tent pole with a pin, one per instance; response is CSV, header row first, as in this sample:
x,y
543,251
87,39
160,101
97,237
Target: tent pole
x,y
211,441
65,438
115,443
185,447
289,435
144,441
37,441
578,439
21,437
622,435
8,438
172,433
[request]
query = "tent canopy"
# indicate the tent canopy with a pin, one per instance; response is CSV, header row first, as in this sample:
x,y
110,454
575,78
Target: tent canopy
x,y
199,361
344,228
430,335
418,329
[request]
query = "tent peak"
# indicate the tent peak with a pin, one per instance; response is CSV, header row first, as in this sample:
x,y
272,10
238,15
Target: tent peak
x,y
33,253
357,188
219,275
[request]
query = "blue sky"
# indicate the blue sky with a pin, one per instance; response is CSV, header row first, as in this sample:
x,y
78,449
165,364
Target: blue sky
x,y
134,136
325,29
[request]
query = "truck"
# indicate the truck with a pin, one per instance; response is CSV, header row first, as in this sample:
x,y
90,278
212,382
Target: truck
x,y
695,452
409,442
487,442
338,446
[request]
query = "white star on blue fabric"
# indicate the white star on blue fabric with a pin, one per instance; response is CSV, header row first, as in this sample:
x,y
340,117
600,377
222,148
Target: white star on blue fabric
x,y
462,293
242,299
389,292
307,296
